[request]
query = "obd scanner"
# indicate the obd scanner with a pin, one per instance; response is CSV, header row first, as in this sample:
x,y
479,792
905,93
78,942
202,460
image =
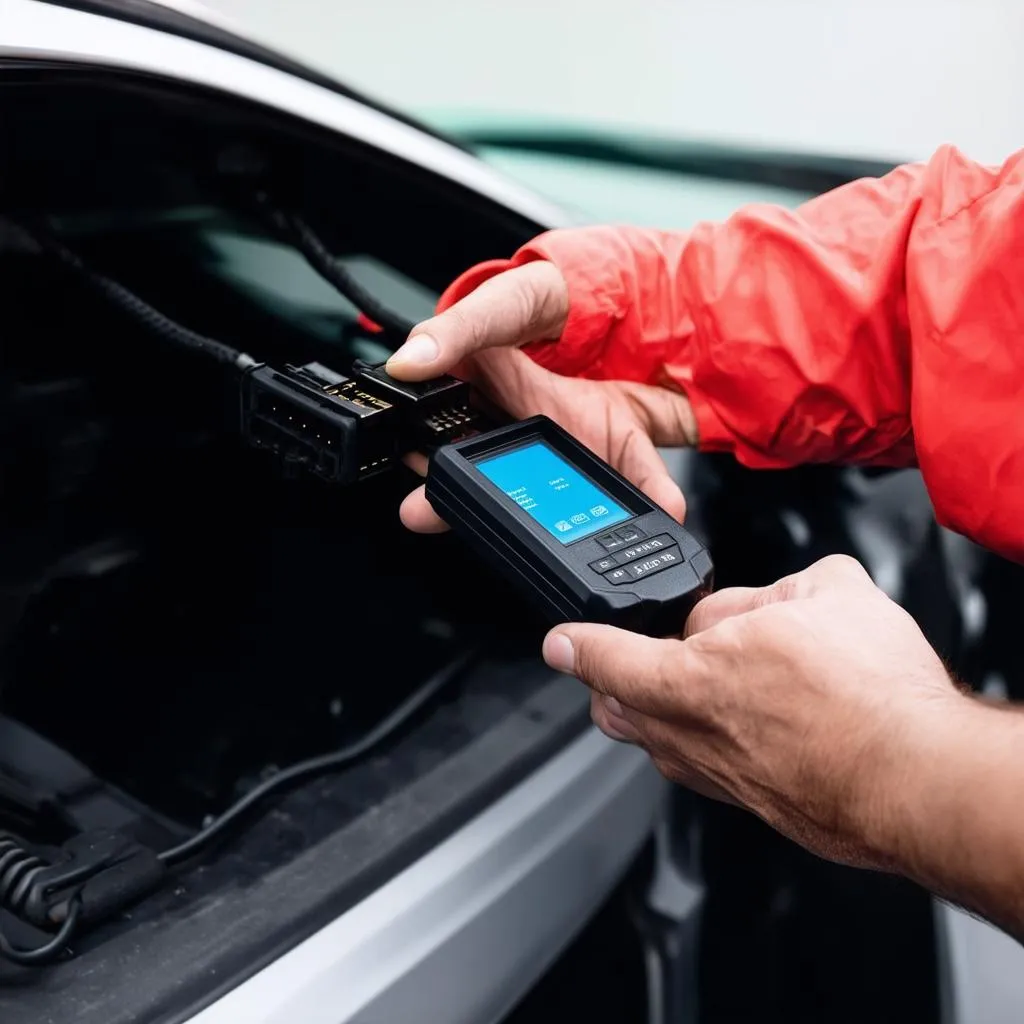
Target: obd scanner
x,y
569,531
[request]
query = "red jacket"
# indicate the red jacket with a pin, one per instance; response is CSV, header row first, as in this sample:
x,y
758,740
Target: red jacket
x,y
881,323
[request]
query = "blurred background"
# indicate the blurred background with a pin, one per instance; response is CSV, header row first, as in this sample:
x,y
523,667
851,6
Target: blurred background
x,y
875,80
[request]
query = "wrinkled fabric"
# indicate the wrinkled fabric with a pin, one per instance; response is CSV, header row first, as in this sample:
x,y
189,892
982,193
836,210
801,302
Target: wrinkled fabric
x,y
880,324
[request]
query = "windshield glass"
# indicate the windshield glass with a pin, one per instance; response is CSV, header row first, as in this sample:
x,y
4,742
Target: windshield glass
x,y
597,191
607,174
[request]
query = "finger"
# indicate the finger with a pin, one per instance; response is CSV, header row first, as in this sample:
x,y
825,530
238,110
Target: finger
x,y
638,460
824,575
417,462
696,782
837,569
670,747
525,304
417,515
643,674
828,573
606,714
725,604
666,415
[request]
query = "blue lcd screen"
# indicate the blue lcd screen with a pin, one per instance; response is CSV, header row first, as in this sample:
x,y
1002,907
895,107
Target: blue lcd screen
x,y
550,491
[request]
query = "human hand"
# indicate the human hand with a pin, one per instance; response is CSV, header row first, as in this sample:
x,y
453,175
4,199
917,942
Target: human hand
x,y
811,702
478,339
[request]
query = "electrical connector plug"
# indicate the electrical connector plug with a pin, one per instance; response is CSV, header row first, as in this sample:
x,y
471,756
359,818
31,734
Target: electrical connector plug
x,y
320,421
345,429
432,412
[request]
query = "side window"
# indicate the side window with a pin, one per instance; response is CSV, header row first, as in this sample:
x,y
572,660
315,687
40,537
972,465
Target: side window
x,y
276,279
166,204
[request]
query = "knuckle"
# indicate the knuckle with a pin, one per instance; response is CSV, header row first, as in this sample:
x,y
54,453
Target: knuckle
x,y
842,567
529,308
708,611
789,588
826,572
548,296
461,329
796,586
730,633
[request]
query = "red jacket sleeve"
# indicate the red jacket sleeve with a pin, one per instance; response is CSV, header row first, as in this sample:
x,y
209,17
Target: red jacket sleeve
x,y
881,323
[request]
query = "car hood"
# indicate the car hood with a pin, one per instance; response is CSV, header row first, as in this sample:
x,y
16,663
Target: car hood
x,y
154,12
195,20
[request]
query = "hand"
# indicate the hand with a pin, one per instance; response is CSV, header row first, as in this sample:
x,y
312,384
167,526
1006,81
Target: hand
x,y
477,340
808,702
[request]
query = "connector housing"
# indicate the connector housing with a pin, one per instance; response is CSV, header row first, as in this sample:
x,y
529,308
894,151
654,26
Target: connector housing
x,y
432,412
333,427
345,429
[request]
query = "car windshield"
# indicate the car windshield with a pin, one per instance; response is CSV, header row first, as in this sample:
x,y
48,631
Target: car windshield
x,y
604,174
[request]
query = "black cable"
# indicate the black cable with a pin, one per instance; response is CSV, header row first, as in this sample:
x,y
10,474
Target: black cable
x,y
19,870
302,236
324,763
130,303
50,950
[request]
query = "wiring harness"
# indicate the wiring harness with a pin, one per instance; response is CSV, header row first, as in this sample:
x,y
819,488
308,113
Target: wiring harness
x,y
340,428
98,874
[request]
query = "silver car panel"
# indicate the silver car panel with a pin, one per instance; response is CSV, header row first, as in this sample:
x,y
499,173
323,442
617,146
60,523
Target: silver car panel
x,y
464,933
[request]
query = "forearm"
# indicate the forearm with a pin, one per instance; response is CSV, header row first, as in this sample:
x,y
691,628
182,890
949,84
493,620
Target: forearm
x,y
874,325
787,330
955,818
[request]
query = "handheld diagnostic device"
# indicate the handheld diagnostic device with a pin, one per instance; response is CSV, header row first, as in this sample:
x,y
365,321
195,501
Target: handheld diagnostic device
x,y
567,529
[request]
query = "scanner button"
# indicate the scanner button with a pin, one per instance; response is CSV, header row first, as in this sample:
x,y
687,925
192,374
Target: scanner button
x,y
617,576
630,534
604,564
649,566
644,547
610,542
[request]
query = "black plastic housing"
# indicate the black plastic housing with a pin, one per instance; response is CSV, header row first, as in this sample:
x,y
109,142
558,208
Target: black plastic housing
x,y
320,421
431,412
559,578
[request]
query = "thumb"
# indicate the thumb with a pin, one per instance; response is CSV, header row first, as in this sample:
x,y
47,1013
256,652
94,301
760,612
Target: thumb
x,y
638,671
525,304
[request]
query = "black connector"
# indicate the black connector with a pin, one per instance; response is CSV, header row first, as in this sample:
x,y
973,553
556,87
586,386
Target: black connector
x,y
319,421
432,412
92,877
346,429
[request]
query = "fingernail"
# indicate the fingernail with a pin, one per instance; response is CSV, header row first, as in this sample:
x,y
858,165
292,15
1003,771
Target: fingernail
x,y
419,350
558,652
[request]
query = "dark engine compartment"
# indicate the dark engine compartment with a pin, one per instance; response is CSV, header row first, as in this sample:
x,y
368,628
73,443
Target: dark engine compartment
x,y
179,618
145,550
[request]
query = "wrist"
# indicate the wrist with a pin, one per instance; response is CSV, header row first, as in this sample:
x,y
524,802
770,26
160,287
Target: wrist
x,y
906,786
953,807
